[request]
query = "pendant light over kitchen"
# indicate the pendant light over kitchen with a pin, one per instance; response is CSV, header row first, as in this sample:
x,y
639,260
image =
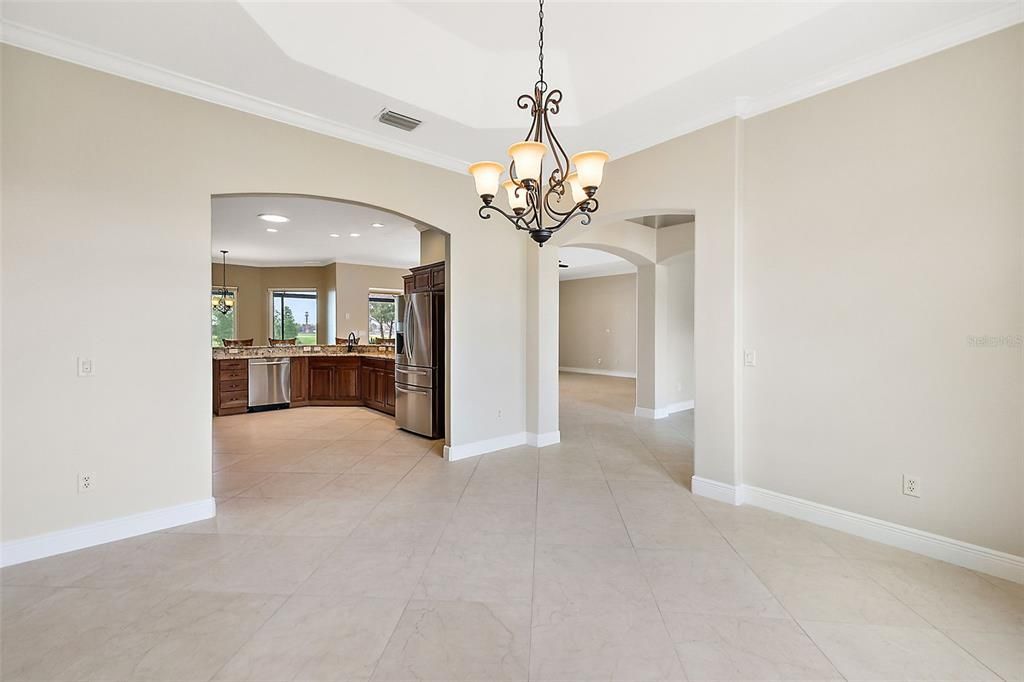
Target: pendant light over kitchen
x,y
224,303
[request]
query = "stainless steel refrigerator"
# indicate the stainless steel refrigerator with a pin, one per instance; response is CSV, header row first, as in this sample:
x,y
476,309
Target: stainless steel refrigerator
x,y
419,356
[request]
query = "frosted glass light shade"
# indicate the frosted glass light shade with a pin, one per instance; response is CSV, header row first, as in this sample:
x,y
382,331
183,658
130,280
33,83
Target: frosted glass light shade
x,y
487,175
590,168
578,195
516,200
527,157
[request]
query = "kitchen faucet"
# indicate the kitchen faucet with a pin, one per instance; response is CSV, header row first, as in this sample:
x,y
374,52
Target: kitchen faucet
x,y
352,341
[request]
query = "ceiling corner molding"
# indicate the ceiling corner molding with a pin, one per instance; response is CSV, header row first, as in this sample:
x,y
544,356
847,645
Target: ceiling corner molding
x,y
927,44
51,45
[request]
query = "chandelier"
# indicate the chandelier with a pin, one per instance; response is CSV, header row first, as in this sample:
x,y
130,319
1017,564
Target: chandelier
x,y
224,303
537,206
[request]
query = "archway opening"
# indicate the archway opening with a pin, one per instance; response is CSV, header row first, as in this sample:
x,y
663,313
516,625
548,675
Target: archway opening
x,y
308,311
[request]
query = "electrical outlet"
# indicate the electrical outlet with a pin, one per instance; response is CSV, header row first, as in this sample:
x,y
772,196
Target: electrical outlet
x,y
85,367
499,414
86,481
599,361
911,486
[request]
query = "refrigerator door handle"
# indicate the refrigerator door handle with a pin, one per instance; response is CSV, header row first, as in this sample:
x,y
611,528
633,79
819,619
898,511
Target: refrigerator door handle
x,y
403,389
410,336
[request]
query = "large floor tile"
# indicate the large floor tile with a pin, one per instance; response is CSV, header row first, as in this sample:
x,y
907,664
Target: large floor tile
x,y
1000,652
368,570
266,564
587,580
830,589
484,570
743,648
595,525
885,652
617,644
317,637
707,582
458,640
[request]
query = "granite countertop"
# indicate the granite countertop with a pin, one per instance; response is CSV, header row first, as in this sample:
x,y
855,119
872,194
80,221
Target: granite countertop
x,y
246,352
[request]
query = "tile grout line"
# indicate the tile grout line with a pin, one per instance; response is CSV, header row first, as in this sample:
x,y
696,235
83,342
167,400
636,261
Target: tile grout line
x,y
775,597
426,564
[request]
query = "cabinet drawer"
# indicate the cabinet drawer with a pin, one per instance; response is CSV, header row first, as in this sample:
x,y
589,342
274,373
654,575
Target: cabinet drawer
x,y
422,281
234,398
234,375
437,278
232,385
227,365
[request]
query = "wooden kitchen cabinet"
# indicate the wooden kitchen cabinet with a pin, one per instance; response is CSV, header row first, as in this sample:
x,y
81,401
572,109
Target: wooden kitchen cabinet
x,y
230,387
425,278
324,380
300,382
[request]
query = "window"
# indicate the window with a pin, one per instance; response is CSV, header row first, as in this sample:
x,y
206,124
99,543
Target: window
x,y
223,325
382,317
293,315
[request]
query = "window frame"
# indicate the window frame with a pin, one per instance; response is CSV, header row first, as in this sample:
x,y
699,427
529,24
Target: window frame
x,y
292,290
393,294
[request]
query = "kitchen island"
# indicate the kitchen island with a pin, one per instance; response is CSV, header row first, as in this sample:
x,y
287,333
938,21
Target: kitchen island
x,y
319,375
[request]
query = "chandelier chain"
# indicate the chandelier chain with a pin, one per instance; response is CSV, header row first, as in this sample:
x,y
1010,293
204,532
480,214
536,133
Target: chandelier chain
x,y
540,42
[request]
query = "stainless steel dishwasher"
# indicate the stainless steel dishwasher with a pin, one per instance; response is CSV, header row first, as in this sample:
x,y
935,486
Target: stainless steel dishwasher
x,y
270,382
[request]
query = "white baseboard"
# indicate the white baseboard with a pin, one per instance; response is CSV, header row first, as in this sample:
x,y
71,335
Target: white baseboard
x,y
80,537
542,440
974,557
662,412
601,372
454,453
721,492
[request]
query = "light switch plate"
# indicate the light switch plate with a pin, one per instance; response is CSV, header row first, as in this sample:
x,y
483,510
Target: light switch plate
x,y
86,368
750,358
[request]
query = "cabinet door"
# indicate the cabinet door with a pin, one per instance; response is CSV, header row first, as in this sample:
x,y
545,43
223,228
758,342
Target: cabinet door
x,y
300,380
380,378
347,383
366,381
389,390
321,382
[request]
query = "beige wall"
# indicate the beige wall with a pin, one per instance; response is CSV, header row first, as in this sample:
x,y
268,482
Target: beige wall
x,y
680,367
433,246
883,226
353,284
118,194
254,283
856,240
597,324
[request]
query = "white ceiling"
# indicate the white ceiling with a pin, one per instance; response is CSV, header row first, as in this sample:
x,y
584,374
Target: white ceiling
x,y
633,73
306,238
585,263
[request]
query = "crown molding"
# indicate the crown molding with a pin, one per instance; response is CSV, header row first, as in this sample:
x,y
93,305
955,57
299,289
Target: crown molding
x,y
744,107
51,45
928,44
741,107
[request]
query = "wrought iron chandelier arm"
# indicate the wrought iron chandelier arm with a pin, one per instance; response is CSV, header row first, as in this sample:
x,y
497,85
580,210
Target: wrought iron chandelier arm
x,y
517,221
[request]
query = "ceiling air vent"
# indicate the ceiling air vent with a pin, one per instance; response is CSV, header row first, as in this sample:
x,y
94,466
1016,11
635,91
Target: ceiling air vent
x,y
400,121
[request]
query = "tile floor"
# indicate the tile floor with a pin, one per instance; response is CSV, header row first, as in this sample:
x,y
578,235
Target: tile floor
x,y
346,550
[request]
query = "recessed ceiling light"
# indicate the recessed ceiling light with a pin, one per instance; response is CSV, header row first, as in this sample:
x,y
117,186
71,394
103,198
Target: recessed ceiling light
x,y
354,234
273,218
377,225
271,229
335,235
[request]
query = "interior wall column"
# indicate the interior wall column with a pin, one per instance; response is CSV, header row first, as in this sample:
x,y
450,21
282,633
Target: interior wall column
x,y
542,345
652,376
